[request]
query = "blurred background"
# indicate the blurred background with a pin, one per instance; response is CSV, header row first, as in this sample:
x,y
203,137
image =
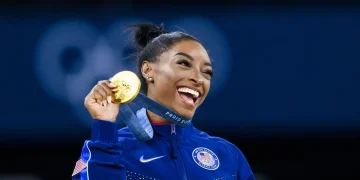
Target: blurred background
x,y
285,91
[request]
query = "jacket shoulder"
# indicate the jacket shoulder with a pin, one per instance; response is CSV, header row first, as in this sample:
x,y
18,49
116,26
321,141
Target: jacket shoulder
x,y
222,142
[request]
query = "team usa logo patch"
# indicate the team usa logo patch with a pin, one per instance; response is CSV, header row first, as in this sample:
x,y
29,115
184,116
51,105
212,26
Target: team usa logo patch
x,y
205,158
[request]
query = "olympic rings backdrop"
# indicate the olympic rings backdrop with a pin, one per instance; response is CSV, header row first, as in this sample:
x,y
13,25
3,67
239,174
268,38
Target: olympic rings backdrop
x,y
275,73
285,91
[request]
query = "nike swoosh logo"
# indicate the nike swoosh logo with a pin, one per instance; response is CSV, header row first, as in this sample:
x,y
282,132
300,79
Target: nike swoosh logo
x,y
151,159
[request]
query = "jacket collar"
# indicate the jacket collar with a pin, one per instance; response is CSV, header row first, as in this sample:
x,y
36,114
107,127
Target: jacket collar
x,y
167,131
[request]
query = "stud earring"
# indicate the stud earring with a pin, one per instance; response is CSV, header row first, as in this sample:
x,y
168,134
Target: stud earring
x,y
149,78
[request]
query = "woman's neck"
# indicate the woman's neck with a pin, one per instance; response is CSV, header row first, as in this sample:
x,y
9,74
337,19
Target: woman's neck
x,y
156,119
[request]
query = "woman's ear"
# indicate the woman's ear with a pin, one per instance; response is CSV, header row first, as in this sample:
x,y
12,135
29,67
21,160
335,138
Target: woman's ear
x,y
147,71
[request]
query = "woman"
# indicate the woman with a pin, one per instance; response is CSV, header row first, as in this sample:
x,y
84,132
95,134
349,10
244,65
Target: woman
x,y
175,70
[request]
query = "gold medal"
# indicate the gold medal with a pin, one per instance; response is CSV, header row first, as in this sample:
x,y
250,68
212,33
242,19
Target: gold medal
x,y
127,87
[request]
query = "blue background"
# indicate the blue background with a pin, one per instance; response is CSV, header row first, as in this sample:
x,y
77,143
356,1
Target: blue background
x,y
286,86
284,71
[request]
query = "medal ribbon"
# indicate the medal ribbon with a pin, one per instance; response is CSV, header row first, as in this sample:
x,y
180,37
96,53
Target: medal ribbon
x,y
141,127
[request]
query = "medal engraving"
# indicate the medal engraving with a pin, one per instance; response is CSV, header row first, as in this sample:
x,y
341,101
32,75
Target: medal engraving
x,y
127,87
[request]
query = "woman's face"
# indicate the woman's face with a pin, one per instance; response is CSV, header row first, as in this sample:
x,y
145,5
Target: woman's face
x,y
181,77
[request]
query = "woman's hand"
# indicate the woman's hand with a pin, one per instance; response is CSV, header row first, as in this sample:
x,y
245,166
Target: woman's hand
x,y
99,102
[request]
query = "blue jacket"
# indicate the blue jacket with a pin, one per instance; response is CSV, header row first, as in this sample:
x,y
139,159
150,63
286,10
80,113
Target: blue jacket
x,y
173,153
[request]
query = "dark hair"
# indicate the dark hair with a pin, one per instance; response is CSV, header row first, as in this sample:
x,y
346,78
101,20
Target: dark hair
x,y
154,41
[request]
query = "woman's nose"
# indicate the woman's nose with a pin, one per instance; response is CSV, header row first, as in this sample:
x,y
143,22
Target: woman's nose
x,y
197,80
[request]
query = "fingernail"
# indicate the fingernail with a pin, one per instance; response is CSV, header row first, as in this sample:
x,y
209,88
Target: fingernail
x,y
109,99
105,103
112,85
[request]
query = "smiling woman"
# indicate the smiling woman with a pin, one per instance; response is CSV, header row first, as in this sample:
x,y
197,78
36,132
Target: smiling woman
x,y
175,71
179,67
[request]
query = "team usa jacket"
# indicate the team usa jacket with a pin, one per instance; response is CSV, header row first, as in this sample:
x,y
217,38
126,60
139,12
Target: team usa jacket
x,y
173,153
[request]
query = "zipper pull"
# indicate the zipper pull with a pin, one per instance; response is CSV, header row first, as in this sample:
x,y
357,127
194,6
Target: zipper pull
x,y
173,140
173,130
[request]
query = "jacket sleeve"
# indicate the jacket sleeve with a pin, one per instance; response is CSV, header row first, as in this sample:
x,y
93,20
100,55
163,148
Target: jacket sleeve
x,y
244,171
100,156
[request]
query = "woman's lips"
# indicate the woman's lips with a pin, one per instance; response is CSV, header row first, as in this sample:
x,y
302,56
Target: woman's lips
x,y
188,99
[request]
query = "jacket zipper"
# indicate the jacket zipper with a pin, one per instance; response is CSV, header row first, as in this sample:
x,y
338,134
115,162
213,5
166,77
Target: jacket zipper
x,y
173,142
175,153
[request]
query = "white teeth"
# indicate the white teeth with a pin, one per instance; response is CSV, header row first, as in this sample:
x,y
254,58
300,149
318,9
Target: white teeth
x,y
190,91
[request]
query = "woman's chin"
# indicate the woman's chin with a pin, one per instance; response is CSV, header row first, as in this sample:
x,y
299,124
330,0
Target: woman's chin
x,y
185,113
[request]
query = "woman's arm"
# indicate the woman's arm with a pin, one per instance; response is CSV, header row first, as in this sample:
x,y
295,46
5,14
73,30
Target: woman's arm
x,y
244,170
100,156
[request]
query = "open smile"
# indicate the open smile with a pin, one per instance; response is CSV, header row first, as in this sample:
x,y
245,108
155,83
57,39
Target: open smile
x,y
188,95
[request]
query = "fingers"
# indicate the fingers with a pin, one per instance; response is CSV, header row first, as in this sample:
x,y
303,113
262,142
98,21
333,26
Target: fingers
x,y
105,90
108,83
98,98
103,93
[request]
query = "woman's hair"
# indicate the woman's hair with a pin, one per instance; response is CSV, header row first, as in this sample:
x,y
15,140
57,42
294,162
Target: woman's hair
x,y
154,41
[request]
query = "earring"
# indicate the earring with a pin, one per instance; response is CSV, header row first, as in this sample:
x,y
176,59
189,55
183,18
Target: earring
x,y
149,78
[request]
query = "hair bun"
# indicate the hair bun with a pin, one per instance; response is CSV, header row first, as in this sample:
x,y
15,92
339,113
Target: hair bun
x,y
145,33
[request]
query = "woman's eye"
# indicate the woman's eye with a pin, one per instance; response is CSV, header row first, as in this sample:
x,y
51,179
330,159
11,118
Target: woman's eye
x,y
184,63
210,73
